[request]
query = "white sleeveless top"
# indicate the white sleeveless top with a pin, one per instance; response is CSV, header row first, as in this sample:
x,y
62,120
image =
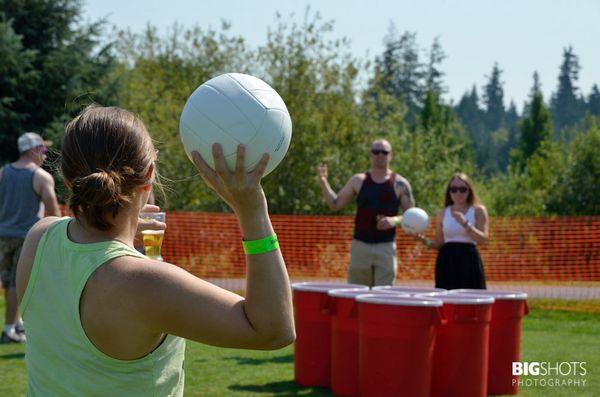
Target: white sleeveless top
x,y
453,231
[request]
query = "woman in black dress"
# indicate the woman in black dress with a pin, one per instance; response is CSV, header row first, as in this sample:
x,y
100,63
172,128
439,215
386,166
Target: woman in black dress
x,y
459,228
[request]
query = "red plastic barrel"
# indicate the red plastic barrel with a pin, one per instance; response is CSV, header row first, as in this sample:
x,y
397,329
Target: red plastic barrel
x,y
312,350
505,338
408,289
344,340
396,339
460,356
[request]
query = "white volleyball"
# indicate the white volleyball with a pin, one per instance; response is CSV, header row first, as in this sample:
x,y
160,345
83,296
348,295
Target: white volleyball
x,y
414,220
236,108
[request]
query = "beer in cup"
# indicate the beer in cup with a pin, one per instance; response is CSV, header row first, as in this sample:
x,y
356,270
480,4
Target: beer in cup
x,y
153,238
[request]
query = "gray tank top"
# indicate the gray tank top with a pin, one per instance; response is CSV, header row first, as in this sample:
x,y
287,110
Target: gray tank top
x,y
20,206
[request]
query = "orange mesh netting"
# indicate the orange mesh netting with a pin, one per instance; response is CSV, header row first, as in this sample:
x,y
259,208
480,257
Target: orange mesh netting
x,y
557,257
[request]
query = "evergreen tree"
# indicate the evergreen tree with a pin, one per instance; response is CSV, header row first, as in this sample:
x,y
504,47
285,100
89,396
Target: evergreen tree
x,y
537,85
471,116
401,72
535,128
512,129
52,60
493,98
468,110
434,74
16,70
535,88
432,113
593,102
566,105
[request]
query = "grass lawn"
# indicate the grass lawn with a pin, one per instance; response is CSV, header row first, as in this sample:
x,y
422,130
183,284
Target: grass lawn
x,y
552,336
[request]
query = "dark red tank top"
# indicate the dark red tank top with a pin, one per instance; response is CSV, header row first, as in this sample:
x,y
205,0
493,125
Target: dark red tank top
x,y
375,200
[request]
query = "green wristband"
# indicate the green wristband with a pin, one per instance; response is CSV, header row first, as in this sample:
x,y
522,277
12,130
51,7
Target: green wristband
x,y
397,221
255,247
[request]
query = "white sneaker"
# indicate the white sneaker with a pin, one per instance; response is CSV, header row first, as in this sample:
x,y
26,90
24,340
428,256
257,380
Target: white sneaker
x,y
12,337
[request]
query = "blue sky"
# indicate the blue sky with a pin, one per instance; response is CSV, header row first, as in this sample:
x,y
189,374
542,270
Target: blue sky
x,y
522,36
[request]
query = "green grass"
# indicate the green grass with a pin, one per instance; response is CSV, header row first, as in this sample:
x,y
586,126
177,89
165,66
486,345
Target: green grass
x,y
547,336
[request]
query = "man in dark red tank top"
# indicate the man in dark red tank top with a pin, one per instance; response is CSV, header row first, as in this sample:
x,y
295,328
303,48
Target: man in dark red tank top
x,y
379,193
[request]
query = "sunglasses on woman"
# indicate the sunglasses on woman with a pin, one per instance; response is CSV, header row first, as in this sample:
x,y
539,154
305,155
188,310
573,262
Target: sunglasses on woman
x,y
461,189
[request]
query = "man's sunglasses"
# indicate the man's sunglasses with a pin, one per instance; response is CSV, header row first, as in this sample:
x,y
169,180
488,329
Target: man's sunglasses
x,y
379,151
461,189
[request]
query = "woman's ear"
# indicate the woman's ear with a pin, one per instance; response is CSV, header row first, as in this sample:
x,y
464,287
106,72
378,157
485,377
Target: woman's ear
x,y
150,170
149,178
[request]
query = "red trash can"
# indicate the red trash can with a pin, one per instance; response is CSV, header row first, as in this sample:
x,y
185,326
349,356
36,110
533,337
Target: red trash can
x,y
312,349
505,338
460,355
408,289
344,340
396,339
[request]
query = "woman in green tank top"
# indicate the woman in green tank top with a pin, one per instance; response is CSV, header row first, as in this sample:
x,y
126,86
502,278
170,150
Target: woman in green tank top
x,y
102,319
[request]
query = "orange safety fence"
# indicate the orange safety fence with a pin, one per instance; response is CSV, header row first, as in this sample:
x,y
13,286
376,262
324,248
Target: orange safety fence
x,y
549,257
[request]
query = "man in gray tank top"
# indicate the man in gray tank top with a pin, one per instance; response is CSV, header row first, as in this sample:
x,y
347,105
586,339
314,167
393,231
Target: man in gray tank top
x,y
26,191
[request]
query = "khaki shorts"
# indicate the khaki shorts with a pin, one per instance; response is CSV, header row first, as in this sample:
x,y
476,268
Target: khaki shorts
x,y
10,250
372,264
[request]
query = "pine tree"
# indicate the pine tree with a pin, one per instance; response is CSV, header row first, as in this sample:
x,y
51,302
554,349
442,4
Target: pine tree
x,y
16,69
400,70
493,98
537,85
535,128
58,61
593,102
432,113
434,75
469,112
471,116
494,136
535,88
512,127
566,105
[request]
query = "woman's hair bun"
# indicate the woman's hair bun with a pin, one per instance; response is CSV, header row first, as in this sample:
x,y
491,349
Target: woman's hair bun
x,y
99,189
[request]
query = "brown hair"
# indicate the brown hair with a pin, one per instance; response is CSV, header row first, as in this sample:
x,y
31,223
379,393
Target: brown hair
x,y
106,153
471,199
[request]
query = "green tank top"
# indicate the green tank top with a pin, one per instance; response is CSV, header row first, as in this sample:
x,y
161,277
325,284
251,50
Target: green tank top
x,y
60,359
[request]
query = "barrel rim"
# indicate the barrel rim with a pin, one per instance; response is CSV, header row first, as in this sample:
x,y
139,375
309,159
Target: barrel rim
x,y
348,292
498,295
385,299
324,286
461,298
409,289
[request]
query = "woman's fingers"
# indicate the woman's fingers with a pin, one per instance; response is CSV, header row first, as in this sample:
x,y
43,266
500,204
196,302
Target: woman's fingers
x,y
220,164
150,208
258,172
240,167
208,175
234,186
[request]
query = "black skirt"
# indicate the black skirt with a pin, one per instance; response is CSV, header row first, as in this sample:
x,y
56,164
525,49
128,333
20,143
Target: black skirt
x,y
459,265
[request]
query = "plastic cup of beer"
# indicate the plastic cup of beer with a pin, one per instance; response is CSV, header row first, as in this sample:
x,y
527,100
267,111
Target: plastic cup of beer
x,y
153,238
